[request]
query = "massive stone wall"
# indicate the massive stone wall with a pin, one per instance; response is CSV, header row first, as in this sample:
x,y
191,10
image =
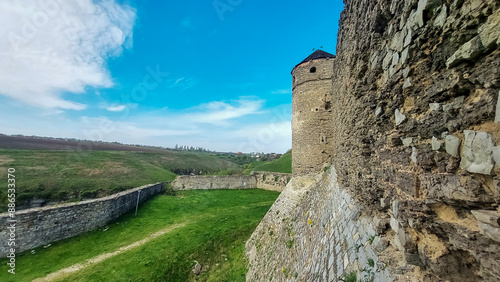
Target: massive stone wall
x,y
40,226
257,179
316,232
415,143
312,116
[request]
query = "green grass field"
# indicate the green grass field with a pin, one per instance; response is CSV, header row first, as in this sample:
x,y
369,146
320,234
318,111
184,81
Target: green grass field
x,y
283,164
69,176
216,225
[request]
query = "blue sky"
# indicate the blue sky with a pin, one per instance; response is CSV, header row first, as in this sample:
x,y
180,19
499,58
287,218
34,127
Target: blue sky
x,y
214,74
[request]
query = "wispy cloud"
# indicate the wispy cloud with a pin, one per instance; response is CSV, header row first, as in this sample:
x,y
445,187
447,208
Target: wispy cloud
x,y
117,108
181,83
219,112
282,91
54,47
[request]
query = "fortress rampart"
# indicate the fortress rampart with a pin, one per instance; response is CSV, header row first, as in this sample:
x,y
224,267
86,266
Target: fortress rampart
x,y
413,189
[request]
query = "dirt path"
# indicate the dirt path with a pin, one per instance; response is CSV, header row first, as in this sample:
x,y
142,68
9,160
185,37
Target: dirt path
x,y
95,260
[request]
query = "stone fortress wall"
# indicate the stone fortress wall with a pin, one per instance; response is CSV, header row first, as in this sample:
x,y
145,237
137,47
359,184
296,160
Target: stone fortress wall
x,y
257,179
40,226
413,190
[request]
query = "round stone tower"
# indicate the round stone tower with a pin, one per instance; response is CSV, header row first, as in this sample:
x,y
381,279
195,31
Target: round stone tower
x,y
312,115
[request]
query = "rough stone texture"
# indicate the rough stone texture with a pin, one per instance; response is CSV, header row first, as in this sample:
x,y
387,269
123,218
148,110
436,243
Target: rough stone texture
x,y
273,181
489,217
497,114
452,145
453,60
312,115
316,232
40,226
436,144
478,152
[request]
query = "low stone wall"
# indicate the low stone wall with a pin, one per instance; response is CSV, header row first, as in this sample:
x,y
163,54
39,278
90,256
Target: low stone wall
x,y
206,182
40,226
257,179
273,181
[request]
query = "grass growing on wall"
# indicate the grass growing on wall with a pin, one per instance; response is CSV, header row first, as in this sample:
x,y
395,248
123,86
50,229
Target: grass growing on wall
x,y
69,176
217,224
283,164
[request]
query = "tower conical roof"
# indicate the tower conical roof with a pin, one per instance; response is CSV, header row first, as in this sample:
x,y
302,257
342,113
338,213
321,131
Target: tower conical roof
x,y
318,54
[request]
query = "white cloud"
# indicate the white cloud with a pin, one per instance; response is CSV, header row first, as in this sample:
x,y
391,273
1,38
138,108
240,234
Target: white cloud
x,y
282,91
181,83
219,113
116,108
52,47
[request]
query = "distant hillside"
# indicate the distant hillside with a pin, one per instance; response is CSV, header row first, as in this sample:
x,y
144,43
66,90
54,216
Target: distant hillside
x,y
70,176
283,164
42,143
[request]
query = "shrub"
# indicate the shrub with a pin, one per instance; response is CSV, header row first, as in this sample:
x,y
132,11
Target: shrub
x,y
169,190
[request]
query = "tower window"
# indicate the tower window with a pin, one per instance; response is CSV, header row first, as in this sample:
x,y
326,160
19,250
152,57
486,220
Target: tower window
x,y
312,70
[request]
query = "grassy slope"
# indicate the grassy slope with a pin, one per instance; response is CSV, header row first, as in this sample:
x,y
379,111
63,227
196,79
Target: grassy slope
x,y
219,223
63,175
283,164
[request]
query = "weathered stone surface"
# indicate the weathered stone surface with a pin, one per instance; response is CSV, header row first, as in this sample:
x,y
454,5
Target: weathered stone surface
x,y
496,155
414,155
416,19
399,117
435,107
380,244
441,18
452,144
487,216
436,144
489,33
478,152
469,51
490,231
408,38
407,141
398,41
197,268
387,60
455,104
407,83
497,113
453,189
406,181
395,59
